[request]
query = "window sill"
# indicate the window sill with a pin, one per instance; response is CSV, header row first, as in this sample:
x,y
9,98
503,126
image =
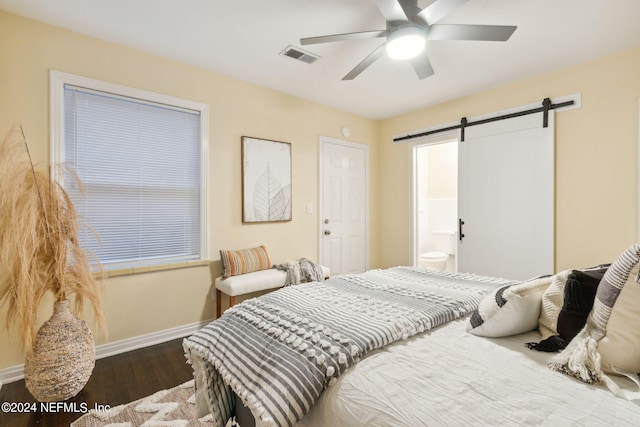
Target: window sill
x,y
154,268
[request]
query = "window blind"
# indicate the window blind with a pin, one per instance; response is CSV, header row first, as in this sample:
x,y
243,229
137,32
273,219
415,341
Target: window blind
x,y
138,171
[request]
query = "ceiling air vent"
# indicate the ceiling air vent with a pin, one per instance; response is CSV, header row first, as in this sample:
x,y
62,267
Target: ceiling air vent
x,y
299,54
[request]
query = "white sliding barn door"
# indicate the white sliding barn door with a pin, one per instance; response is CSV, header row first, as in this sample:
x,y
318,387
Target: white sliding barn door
x,y
506,198
343,212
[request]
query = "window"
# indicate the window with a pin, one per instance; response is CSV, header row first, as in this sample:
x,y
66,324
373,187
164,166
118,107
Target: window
x,y
140,163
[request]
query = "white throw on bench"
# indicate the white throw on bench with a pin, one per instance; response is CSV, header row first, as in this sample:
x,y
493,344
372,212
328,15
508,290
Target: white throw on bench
x,y
251,282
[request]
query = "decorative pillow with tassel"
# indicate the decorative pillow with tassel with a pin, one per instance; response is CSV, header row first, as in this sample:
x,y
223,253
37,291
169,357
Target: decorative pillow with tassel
x,y
578,294
610,341
620,347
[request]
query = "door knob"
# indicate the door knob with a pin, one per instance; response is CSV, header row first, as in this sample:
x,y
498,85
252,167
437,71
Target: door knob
x,y
327,232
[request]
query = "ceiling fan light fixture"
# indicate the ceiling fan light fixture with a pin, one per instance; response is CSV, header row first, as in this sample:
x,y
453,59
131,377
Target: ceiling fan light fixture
x,y
405,43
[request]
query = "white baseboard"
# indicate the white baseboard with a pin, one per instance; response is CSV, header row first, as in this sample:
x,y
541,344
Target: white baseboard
x,y
11,374
15,373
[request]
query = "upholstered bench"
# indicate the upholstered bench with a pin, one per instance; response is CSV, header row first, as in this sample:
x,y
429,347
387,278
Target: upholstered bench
x,y
249,270
246,283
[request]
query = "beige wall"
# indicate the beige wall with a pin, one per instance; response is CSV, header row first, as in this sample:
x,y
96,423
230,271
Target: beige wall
x,y
145,303
596,158
596,149
442,171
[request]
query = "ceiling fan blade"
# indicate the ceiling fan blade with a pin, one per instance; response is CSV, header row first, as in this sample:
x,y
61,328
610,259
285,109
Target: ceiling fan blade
x,y
496,33
365,63
391,10
439,9
410,8
342,37
422,66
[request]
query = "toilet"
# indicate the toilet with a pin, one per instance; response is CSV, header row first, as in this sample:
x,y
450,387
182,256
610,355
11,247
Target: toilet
x,y
444,243
436,261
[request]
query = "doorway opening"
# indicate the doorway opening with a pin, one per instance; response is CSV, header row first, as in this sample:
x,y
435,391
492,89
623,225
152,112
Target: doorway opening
x,y
435,205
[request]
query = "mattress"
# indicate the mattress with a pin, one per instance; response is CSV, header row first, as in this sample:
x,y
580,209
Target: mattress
x,y
447,377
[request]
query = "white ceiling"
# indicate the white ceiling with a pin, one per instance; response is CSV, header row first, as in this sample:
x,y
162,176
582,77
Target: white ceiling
x,y
243,39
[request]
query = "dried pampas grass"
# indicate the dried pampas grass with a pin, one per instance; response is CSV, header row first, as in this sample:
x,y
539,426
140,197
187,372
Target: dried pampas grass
x,y
39,248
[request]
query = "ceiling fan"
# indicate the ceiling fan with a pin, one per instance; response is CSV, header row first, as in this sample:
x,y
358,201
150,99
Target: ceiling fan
x,y
408,30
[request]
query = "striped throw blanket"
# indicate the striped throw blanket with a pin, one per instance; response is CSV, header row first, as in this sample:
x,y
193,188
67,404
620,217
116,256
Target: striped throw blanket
x,y
301,271
278,352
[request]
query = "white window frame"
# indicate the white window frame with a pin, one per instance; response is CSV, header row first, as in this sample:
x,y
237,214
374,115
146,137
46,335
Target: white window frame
x,y
57,82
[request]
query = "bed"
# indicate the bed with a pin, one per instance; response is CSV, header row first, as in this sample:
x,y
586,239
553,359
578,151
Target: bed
x,y
385,348
448,377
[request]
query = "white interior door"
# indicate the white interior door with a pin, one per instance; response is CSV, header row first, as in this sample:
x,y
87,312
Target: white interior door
x,y
343,212
506,198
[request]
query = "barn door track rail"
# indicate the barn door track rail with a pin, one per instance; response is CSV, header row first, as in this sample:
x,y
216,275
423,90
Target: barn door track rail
x,y
464,123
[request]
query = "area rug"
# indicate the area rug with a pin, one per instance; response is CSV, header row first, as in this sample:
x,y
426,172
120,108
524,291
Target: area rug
x,y
174,407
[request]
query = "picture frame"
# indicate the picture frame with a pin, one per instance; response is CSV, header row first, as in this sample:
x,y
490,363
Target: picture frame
x,y
266,180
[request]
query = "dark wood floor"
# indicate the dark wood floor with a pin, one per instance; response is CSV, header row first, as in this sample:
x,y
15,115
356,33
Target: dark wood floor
x,y
115,380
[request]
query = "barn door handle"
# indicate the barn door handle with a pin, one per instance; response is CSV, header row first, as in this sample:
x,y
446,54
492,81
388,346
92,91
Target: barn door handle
x,y
460,233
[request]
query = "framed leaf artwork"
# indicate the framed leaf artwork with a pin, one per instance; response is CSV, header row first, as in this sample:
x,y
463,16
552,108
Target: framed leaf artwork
x,y
266,180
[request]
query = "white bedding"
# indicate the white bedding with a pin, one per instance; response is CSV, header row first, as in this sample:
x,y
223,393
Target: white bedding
x,y
447,377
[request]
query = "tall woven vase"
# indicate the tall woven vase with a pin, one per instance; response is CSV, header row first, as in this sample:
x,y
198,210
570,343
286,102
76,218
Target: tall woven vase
x,y
63,357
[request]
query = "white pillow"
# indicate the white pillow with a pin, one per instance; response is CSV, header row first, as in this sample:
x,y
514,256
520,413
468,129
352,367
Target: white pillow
x,y
509,310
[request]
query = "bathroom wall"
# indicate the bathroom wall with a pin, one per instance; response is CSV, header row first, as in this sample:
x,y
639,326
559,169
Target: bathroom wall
x,y
437,189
